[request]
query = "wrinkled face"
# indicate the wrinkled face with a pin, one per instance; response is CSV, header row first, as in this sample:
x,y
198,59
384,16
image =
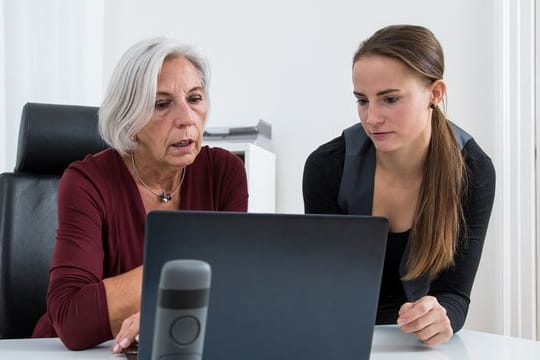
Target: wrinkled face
x,y
393,103
173,136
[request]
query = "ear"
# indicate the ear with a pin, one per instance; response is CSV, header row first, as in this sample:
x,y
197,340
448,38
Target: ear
x,y
438,90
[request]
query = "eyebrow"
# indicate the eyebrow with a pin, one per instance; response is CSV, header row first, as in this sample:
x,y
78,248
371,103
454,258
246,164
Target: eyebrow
x,y
383,92
166,93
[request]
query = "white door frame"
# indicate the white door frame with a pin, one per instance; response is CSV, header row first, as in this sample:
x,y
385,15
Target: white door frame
x,y
514,65
537,122
3,135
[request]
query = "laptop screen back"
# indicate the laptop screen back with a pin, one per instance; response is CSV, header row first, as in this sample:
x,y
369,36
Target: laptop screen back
x,y
283,286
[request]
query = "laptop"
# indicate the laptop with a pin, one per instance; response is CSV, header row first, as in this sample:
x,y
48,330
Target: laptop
x,y
283,286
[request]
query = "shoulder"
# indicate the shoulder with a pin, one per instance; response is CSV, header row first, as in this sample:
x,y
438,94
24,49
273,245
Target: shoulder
x,y
473,153
479,165
323,169
218,158
217,165
98,162
93,183
332,151
96,169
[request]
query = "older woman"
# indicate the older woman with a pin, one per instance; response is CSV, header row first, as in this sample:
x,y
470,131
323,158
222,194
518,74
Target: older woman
x,y
153,117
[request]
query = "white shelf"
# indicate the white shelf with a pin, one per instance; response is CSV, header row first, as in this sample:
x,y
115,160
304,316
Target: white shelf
x,y
261,173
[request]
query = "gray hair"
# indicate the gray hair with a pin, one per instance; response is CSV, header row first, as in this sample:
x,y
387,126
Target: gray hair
x,y
129,101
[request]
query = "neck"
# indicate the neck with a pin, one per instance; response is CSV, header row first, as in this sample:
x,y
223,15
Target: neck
x,y
155,177
406,163
401,165
173,181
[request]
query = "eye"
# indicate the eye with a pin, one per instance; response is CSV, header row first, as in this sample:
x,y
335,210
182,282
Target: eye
x,y
361,101
390,99
195,99
162,104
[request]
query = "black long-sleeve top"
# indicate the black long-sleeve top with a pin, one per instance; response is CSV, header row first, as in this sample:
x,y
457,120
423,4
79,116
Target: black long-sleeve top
x,y
323,191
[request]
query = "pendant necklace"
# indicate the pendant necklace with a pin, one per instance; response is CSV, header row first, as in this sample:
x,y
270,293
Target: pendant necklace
x,y
163,197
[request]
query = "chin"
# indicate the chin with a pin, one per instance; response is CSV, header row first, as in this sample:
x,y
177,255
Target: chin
x,y
188,159
386,148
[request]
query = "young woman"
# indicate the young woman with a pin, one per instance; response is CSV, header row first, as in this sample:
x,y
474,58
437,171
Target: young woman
x,y
407,162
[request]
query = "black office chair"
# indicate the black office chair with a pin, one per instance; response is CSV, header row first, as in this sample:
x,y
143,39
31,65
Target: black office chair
x,y
50,137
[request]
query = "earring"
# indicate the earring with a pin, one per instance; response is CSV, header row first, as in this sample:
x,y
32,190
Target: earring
x,y
432,105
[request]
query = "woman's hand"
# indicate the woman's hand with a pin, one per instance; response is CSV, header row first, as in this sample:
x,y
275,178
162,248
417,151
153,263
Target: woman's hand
x,y
426,319
128,333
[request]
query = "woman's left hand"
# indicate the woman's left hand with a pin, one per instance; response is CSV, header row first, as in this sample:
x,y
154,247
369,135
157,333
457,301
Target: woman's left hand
x,y
426,319
129,332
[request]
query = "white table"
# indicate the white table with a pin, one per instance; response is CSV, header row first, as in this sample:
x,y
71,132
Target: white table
x,y
388,343
52,348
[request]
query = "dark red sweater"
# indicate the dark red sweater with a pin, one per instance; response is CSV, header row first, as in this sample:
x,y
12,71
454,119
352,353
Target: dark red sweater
x,y
101,234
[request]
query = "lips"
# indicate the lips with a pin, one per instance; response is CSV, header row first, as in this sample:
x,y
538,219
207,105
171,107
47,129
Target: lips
x,y
380,135
183,143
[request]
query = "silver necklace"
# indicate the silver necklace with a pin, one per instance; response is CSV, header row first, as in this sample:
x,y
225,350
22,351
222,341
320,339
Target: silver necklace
x,y
163,197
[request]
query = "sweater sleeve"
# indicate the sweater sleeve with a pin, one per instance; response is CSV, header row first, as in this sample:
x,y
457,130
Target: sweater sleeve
x,y
453,286
322,177
76,300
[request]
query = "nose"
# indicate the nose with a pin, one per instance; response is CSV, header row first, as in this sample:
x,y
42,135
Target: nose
x,y
183,114
371,116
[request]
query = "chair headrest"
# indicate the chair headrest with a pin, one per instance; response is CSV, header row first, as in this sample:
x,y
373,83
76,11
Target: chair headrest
x,y
53,136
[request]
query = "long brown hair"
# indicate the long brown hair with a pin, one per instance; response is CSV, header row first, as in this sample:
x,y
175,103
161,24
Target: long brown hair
x,y
438,217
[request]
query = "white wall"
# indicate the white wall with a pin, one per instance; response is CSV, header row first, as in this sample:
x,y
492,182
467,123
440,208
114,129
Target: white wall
x,y
53,54
287,62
